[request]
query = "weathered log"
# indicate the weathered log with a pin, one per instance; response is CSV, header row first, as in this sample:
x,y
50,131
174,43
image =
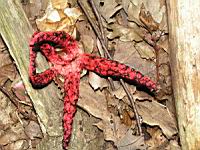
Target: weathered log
x,y
184,39
16,32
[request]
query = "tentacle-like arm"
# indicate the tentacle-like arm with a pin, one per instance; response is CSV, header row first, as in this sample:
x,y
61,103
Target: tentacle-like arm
x,y
39,80
105,67
71,87
46,42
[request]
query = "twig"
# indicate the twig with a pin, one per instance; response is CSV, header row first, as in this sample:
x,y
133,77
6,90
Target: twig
x,y
132,101
96,30
99,19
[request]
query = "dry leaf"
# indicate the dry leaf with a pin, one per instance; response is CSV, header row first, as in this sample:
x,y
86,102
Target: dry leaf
x,y
124,33
145,50
33,130
131,142
59,4
59,18
87,36
20,91
163,56
108,8
155,8
67,26
157,138
73,13
87,42
133,12
7,69
53,16
34,8
155,114
173,145
18,145
147,19
7,72
96,81
13,134
164,43
113,129
8,138
127,53
164,70
120,93
126,118
95,103
141,96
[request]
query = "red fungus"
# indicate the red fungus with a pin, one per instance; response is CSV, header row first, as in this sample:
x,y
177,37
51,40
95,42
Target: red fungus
x,y
70,66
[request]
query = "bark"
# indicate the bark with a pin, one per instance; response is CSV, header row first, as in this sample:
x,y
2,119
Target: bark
x,y
16,32
184,39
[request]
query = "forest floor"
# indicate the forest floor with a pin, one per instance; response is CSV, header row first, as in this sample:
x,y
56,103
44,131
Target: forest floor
x,y
136,34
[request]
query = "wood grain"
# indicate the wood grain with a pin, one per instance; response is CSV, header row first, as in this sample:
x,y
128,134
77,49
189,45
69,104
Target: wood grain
x,y
184,39
16,32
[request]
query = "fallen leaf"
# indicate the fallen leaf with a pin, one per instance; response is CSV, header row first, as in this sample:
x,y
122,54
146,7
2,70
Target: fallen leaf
x,y
34,8
131,142
18,145
19,90
163,56
87,42
33,130
87,36
120,93
157,138
59,18
141,96
145,50
133,12
15,133
173,145
95,103
96,81
59,4
164,43
164,70
156,114
7,72
113,129
155,8
133,59
53,16
125,34
126,118
7,68
147,19
108,9
73,13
